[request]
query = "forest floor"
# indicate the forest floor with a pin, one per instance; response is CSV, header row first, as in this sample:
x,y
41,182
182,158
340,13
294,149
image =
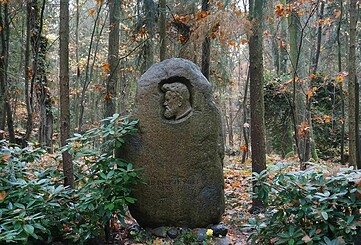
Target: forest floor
x,y
238,198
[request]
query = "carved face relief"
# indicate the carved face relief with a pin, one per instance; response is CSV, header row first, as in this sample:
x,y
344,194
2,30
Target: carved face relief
x,y
176,101
172,102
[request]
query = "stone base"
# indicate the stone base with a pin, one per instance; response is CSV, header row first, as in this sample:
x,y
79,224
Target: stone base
x,y
215,234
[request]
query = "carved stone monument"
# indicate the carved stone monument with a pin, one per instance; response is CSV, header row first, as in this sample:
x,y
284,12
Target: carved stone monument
x,y
179,146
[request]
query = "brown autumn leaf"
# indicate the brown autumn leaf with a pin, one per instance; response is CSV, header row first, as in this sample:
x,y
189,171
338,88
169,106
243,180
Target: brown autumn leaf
x,y
243,148
318,119
2,196
5,157
327,118
304,129
337,13
306,239
220,5
244,41
91,12
231,43
279,11
236,184
106,67
339,78
237,12
328,21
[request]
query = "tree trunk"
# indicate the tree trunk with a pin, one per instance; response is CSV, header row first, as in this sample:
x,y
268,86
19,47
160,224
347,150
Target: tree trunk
x,y
245,128
256,92
316,57
358,139
162,29
298,106
339,65
64,91
206,46
230,123
309,140
352,83
39,45
113,57
275,46
283,46
2,79
27,76
44,99
2,82
149,10
5,106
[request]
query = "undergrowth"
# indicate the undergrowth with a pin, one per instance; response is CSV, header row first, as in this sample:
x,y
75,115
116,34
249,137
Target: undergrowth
x,y
34,204
317,206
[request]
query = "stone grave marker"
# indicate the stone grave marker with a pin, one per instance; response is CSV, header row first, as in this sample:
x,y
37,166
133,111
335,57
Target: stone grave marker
x,y
179,146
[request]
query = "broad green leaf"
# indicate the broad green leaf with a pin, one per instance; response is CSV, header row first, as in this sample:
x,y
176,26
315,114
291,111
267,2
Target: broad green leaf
x,y
28,228
110,206
324,215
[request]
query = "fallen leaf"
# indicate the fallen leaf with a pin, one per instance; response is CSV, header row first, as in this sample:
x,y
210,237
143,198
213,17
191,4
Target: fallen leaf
x,y
2,196
306,239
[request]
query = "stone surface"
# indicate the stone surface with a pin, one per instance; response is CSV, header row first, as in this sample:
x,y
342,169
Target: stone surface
x,y
172,233
133,230
219,230
201,234
159,231
223,241
180,147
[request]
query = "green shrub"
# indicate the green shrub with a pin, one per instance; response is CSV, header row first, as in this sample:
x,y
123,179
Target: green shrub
x,y
30,199
104,181
34,205
315,206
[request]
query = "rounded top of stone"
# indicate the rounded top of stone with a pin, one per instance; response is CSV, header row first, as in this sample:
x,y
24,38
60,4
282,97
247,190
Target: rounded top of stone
x,y
175,67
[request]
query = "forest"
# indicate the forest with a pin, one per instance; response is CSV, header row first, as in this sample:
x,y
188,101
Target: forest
x,y
284,74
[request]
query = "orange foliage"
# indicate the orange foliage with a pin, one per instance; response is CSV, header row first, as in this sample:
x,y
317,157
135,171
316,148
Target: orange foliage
x,y
244,41
339,78
231,43
327,118
243,148
309,94
223,24
91,12
108,96
220,5
328,21
237,12
106,67
279,11
337,13
282,44
201,15
318,119
304,129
